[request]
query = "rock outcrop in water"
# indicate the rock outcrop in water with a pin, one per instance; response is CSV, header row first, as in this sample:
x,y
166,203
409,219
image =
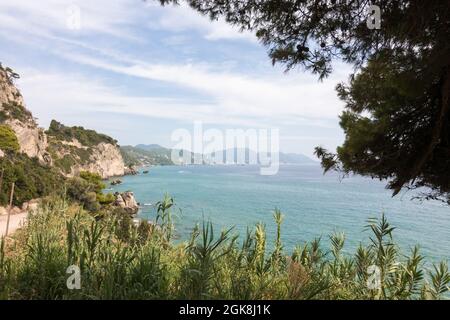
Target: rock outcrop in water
x,y
127,201
131,170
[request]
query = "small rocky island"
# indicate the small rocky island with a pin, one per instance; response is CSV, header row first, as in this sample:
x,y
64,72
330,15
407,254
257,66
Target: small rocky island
x,y
116,182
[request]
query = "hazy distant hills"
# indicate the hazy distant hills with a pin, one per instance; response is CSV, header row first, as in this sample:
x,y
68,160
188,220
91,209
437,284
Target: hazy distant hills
x,y
155,154
146,155
295,158
245,156
150,147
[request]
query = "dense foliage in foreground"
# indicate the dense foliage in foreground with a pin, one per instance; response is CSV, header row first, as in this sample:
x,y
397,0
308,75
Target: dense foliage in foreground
x,y
121,261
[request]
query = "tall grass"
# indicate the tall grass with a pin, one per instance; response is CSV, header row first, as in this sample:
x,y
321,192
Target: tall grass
x,y
121,261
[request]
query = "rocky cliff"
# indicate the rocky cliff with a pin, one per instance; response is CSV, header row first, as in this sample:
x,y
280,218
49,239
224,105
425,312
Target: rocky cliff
x,y
71,149
75,149
32,139
105,160
126,201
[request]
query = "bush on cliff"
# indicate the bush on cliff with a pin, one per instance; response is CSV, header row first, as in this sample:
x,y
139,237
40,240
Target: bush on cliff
x,y
35,180
85,136
8,139
32,179
14,110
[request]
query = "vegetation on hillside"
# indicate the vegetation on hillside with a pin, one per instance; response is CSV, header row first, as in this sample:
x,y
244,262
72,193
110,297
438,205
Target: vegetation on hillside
x,y
134,156
65,152
8,139
14,110
87,190
86,137
32,179
121,261
95,180
67,156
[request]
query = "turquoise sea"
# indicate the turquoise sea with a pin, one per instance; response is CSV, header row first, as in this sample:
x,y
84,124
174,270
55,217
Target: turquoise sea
x,y
314,205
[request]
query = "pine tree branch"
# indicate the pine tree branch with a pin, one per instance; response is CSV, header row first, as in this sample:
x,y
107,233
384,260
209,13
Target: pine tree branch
x,y
436,134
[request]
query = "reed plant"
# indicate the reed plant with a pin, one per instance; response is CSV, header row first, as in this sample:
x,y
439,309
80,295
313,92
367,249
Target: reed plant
x,y
119,260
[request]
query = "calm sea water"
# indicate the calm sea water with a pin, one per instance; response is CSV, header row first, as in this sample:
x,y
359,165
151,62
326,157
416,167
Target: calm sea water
x,y
314,205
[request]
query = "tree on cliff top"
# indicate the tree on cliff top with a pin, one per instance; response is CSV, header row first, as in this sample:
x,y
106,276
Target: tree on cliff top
x,y
396,119
86,137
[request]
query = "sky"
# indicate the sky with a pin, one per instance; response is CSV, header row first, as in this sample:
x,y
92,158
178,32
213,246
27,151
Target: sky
x,y
137,71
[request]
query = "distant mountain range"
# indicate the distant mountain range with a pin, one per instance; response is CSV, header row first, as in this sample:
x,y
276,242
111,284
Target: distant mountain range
x,y
154,154
295,158
150,147
245,156
146,155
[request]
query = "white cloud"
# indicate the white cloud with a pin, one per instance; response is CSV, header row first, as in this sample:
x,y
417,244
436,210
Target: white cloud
x,y
115,18
60,95
286,96
63,94
75,100
52,17
181,18
233,98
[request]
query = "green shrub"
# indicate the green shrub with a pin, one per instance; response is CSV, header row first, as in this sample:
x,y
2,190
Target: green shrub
x,y
105,198
65,163
87,189
8,139
94,178
13,110
85,136
121,261
71,155
83,192
83,154
32,179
